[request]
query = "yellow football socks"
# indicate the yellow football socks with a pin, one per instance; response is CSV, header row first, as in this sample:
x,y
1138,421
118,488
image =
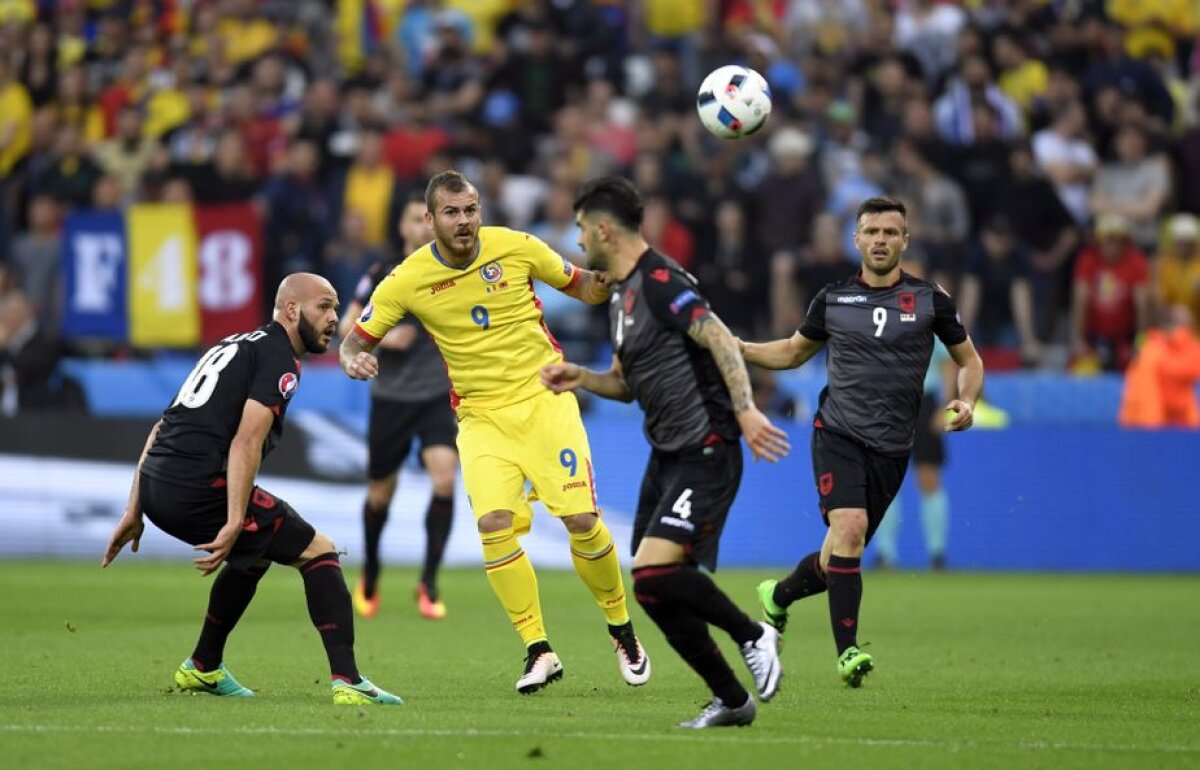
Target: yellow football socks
x,y
596,562
514,583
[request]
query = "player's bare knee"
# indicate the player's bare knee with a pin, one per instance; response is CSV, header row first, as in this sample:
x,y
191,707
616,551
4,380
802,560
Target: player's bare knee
x,y
494,521
380,493
580,523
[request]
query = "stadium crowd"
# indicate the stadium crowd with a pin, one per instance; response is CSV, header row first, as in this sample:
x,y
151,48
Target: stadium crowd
x,y
1049,150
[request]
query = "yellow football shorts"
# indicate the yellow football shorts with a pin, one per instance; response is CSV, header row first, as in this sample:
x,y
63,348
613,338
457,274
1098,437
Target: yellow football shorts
x,y
541,440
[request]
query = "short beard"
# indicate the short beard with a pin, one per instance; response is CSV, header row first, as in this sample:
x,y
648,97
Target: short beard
x,y
883,271
310,336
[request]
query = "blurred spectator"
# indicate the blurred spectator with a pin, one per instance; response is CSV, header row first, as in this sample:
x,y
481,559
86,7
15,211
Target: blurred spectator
x,y
452,83
928,30
886,93
16,115
921,134
35,255
227,178
349,255
940,221
974,85
1160,384
1062,152
1040,220
843,144
1110,303
981,166
107,194
127,155
666,233
39,65
1022,78
1177,265
537,75
789,196
996,298
368,189
297,211
732,271
318,121
71,174
1135,186
795,281
29,357
1116,67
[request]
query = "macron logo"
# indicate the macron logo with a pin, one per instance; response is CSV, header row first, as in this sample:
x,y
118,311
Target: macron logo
x,y
852,300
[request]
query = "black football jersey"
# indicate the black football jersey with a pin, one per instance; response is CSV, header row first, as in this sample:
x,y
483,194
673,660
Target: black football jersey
x,y
879,342
675,381
192,447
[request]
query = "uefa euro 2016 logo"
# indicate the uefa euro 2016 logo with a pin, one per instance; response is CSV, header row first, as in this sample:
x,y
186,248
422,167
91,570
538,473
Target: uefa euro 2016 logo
x,y
491,272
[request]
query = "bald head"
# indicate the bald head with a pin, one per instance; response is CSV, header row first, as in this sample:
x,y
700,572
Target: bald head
x,y
306,305
301,288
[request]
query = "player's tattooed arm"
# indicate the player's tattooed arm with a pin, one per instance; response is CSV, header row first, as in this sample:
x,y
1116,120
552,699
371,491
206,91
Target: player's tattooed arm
x,y
591,287
709,331
356,358
787,353
764,439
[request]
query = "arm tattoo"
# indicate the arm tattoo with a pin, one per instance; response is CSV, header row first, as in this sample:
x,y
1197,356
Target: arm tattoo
x,y
710,332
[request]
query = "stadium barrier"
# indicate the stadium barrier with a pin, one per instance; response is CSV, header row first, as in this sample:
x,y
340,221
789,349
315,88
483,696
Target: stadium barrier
x,y
1024,498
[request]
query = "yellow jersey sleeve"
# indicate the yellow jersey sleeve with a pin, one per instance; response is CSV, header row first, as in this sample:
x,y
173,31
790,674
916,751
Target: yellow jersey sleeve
x,y
547,265
389,303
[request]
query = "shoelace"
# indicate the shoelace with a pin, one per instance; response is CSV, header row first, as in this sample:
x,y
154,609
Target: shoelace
x,y
714,707
756,659
629,648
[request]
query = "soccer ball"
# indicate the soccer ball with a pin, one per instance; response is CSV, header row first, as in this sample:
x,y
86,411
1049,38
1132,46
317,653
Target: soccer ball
x,y
733,102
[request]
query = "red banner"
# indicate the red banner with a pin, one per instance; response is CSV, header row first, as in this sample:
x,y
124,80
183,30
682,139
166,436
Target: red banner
x,y
229,254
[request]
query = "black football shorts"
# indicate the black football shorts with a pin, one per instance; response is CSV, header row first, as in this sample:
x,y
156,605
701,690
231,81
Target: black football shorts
x,y
849,475
272,529
686,496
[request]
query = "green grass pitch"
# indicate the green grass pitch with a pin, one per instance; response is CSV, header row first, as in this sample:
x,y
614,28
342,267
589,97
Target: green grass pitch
x,y
973,671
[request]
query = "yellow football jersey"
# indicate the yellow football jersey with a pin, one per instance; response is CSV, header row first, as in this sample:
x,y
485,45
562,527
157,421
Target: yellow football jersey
x,y
485,317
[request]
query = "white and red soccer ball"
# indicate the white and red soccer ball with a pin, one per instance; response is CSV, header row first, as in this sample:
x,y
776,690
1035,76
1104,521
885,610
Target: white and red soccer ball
x,y
733,101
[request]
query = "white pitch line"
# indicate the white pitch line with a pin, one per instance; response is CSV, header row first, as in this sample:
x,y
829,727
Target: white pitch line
x,y
663,736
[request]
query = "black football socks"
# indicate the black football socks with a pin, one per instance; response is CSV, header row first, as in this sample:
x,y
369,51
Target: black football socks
x,y
230,596
438,519
845,595
331,613
805,580
373,523
686,632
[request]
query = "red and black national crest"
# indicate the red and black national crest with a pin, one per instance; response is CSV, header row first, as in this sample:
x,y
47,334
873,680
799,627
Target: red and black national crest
x,y
908,302
825,483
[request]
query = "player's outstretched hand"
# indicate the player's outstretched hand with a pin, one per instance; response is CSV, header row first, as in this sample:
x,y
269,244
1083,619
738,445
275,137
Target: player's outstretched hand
x,y
766,441
964,416
129,528
218,549
364,366
562,377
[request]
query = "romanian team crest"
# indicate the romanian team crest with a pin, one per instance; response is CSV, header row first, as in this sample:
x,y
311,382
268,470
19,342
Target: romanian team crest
x,y
288,384
491,272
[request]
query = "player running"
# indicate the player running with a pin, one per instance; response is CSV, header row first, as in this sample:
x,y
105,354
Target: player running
x,y
410,398
880,328
195,481
682,365
472,289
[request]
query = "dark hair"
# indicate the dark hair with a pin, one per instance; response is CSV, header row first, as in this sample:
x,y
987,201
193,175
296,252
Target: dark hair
x,y
613,195
879,206
451,181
